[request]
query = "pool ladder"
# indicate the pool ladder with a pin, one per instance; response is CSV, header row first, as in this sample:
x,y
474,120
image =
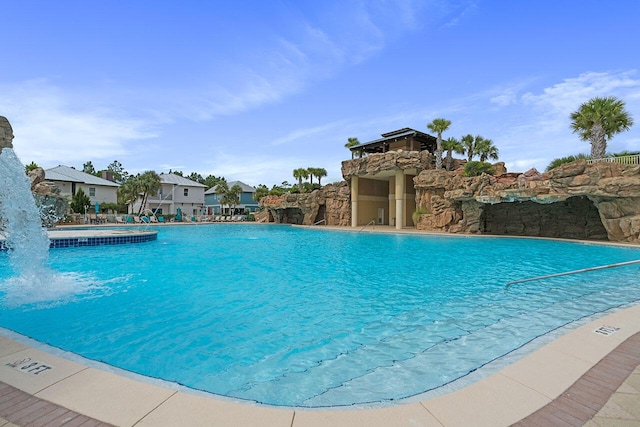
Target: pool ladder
x,y
583,270
372,222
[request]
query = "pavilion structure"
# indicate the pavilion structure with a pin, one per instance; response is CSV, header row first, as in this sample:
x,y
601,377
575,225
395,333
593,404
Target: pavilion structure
x,y
386,195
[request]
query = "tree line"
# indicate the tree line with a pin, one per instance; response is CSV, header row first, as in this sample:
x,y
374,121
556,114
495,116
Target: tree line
x,y
595,121
469,145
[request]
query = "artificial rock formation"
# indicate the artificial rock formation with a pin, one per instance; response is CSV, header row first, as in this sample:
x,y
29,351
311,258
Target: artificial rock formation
x,y
331,204
599,201
51,204
47,196
391,160
576,200
6,134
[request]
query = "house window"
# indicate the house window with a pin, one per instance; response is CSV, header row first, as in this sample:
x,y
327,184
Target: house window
x,y
92,191
186,192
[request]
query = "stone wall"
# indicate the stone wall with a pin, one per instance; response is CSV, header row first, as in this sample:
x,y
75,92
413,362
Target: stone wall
x,y
331,203
576,200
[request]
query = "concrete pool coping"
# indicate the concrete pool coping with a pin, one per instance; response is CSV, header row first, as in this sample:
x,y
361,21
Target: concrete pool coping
x,y
503,398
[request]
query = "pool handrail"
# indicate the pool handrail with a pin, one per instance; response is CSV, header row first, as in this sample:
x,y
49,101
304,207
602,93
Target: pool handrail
x,y
372,222
566,273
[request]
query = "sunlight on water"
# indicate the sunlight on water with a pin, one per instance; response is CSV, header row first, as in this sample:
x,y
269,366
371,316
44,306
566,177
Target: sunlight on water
x,y
27,242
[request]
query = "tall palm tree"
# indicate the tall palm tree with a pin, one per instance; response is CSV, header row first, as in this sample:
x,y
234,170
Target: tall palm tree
x,y
299,174
486,150
598,120
352,142
149,183
452,145
221,191
232,197
128,192
319,173
439,126
311,172
469,145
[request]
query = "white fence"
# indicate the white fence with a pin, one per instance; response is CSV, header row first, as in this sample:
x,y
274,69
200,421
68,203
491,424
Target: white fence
x,y
625,160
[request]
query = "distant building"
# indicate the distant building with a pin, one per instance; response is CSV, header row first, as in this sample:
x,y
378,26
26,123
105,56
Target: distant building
x,y
70,180
246,205
176,192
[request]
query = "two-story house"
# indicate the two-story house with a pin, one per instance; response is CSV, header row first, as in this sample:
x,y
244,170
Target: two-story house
x,y
70,180
176,192
246,205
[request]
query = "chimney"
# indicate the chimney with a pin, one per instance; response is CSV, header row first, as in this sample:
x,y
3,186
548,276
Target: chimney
x,y
108,175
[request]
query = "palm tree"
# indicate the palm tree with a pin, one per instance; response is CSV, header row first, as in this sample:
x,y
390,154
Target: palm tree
x,y
438,126
319,173
149,183
598,120
486,150
232,197
299,174
352,142
452,145
129,191
311,172
221,191
468,145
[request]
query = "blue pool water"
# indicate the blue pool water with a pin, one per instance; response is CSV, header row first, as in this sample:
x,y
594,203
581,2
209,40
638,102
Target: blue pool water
x,y
289,316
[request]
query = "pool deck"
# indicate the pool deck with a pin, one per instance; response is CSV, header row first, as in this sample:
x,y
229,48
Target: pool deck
x,y
588,376
585,377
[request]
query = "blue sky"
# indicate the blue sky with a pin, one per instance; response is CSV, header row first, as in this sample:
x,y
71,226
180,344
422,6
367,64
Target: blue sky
x,y
251,90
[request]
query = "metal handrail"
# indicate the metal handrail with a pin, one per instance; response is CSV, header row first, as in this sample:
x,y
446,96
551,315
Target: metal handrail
x,y
372,222
584,270
318,222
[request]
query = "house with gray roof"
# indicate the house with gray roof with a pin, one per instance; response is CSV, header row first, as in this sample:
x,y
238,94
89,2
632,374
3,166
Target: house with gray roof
x,y
176,192
246,205
70,180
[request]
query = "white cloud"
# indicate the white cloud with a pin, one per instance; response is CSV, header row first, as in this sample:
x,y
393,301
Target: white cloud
x,y
566,97
298,134
50,129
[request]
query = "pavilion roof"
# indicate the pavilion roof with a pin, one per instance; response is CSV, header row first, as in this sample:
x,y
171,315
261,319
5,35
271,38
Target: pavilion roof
x,y
378,145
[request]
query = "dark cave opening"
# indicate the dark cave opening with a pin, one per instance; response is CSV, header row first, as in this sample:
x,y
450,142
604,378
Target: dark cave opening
x,y
574,218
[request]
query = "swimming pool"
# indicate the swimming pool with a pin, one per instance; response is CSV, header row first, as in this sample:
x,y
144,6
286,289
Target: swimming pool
x,y
289,316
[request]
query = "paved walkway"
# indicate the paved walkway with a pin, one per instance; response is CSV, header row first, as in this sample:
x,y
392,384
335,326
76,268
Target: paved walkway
x,y
607,395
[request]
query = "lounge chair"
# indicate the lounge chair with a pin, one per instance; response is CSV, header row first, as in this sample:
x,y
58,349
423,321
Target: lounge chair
x,y
145,219
129,219
137,220
160,219
120,220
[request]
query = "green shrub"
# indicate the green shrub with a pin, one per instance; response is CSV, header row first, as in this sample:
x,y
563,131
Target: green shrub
x,y
475,168
568,159
415,216
80,202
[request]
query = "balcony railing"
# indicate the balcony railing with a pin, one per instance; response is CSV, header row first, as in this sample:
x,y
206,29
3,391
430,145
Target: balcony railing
x,y
160,197
625,160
